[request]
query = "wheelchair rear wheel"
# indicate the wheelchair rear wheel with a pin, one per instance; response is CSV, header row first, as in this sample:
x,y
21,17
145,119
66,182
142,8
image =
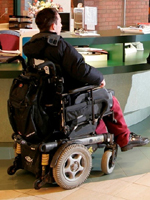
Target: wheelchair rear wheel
x,y
73,166
106,162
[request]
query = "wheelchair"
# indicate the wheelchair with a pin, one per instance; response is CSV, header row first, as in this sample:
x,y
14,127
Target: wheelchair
x,y
65,156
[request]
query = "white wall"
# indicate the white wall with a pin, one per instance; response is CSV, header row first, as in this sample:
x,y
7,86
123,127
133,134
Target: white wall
x,y
66,4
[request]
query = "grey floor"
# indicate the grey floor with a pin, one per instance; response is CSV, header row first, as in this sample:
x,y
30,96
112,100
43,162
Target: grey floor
x,y
130,167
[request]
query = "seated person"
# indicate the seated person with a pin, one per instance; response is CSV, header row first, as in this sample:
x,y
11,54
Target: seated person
x,y
48,44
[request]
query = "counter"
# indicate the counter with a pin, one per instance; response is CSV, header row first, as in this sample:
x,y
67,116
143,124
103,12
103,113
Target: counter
x,y
120,75
12,70
112,41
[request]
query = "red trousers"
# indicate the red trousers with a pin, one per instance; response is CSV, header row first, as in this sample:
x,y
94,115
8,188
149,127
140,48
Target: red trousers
x,y
118,128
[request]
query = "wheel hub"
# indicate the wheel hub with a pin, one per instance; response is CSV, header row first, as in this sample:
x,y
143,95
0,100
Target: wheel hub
x,y
75,166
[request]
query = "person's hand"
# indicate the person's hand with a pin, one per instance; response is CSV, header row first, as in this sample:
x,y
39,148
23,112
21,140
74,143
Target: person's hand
x,y
103,83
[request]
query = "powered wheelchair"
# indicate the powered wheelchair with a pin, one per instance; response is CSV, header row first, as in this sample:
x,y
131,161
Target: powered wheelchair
x,y
54,132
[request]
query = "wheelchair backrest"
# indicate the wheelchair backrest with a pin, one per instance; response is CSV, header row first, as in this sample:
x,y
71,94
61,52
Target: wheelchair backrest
x,y
34,94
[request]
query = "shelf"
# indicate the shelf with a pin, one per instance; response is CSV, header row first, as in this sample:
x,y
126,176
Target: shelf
x,y
17,22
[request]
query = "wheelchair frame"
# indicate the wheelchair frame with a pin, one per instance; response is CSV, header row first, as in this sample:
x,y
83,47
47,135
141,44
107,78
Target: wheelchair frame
x,y
67,161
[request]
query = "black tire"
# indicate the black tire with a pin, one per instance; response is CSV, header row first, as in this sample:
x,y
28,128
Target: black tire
x,y
73,166
11,170
37,184
106,162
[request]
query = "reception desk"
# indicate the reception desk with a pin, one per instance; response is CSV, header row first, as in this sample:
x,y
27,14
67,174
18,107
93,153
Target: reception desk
x,y
112,41
126,79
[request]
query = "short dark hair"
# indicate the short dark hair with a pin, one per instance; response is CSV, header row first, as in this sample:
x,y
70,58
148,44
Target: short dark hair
x,y
45,18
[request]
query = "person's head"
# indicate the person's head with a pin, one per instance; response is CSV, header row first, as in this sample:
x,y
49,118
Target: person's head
x,y
48,19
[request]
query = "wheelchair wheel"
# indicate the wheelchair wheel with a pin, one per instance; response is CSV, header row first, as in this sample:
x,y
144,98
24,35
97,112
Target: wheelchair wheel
x,y
106,162
37,184
73,166
11,170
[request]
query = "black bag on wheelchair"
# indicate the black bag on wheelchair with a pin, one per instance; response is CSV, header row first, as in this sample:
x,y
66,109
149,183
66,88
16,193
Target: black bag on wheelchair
x,y
31,158
28,96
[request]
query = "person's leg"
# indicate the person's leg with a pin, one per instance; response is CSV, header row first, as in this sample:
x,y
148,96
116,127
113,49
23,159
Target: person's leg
x,y
119,127
101,128
123,137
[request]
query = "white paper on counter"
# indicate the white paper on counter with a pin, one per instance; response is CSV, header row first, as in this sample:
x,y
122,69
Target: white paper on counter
x,y
90,17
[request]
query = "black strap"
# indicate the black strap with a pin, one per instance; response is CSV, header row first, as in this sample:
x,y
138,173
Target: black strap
x,y
52,39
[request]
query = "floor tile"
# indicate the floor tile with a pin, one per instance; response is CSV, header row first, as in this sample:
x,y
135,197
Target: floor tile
x,y
132,191
82,194
145,195
54,193
144,180
107,187
9,194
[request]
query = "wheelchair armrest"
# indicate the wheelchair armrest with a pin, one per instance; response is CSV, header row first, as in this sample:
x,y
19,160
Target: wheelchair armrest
x,y
89,87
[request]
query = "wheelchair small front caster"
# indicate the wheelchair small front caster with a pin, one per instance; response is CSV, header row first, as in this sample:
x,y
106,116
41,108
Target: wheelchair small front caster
x,y
37,184
11,170
16,165
107,164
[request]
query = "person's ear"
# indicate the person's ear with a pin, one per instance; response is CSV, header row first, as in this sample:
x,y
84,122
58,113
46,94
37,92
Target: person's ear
x,y
52,27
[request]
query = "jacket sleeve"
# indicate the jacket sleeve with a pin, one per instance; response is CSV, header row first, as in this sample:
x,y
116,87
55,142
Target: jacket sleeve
x,y
74,64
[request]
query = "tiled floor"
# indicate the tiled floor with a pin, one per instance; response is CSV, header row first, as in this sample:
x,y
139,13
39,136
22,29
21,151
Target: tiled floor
x,y
130,179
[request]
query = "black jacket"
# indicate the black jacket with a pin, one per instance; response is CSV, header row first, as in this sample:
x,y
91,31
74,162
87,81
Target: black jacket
x,y
75,71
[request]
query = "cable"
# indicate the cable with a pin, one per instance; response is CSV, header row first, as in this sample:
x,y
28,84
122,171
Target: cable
x,y
3,14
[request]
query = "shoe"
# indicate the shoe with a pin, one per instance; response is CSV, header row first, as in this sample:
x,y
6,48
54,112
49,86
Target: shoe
x,y
135,141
